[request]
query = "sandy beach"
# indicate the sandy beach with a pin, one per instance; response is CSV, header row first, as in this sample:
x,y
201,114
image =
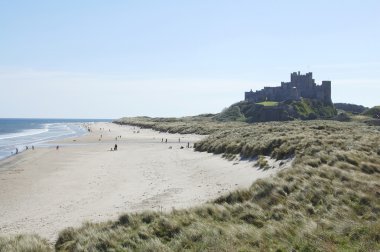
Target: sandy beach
x,y
46,190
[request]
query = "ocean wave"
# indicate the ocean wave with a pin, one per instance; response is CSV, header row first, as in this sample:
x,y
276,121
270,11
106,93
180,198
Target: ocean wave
x,y
24,133
49,132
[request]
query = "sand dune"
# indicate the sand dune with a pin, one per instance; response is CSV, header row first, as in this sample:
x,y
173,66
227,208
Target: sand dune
x,y
46,190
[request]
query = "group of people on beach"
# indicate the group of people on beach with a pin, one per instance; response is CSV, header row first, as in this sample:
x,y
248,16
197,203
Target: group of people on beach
x,y
179,140
26,148
136,130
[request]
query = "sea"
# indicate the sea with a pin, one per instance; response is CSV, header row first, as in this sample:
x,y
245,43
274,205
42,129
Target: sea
x,y
24,133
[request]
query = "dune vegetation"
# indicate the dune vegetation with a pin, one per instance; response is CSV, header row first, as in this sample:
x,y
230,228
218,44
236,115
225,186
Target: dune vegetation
x,y
329,200
24,243
373,112
350,108
201,125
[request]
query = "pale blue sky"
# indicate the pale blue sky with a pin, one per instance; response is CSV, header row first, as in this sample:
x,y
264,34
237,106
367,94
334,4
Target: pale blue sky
x,y
108,59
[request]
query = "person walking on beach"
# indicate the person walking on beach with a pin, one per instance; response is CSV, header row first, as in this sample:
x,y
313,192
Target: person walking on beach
x,y
166,140
32,147
115,149
57,148
16,150
188,144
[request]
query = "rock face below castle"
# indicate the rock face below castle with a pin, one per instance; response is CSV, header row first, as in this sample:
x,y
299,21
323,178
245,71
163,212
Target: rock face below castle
x,y
300,86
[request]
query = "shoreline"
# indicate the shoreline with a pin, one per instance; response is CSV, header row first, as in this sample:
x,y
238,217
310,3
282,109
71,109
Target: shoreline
x,y
47,190
23,144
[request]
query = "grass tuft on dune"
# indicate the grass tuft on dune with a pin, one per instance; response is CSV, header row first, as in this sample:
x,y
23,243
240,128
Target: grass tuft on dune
x,y
24,243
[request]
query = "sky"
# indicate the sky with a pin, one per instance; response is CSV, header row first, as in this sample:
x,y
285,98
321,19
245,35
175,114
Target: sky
x,y
109,59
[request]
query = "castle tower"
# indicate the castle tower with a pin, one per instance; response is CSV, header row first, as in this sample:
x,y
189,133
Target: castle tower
x,y
326,87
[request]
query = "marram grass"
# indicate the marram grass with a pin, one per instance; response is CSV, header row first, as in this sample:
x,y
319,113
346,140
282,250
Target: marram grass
x,y
24,243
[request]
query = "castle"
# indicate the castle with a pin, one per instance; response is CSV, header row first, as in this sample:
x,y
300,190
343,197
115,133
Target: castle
x,y
300,86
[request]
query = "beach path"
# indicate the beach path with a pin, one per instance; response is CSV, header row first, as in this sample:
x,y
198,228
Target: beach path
x,y
46,190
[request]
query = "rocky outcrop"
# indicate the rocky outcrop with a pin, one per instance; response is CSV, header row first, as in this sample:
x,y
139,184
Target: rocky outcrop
x,y
304,109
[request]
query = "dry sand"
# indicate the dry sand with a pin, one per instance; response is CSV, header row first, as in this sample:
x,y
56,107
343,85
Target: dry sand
x,y
45,190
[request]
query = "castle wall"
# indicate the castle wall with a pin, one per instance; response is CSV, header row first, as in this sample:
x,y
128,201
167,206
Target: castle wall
x,y
299,86
320,93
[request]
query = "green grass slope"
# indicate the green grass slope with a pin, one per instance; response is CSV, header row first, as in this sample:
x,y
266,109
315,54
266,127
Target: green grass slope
x,y
232,113
268,103
312,109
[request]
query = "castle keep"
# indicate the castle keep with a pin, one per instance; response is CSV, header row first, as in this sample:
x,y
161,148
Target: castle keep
x,y
300,86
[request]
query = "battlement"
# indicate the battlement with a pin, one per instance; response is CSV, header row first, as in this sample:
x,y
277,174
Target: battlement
x,y
300,86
